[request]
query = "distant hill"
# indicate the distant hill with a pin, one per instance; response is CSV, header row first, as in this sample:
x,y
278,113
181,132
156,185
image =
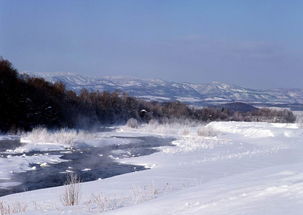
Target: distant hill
x,y
195,94
236,106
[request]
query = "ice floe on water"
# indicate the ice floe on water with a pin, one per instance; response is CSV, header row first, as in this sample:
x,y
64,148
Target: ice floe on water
x,y
21,163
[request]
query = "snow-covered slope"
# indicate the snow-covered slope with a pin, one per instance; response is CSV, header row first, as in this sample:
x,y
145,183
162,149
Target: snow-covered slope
x,y
155,89
224,168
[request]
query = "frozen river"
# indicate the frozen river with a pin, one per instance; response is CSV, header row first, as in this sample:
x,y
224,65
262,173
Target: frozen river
x,y
88,162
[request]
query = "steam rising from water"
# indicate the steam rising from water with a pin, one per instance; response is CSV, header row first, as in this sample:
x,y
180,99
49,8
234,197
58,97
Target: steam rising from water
x,y
64,136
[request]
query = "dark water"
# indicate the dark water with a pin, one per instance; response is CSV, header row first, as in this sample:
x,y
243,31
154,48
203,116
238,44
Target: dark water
x,y
9,144
101,161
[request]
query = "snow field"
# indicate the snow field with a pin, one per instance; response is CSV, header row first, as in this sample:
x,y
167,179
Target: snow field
x,y
222,168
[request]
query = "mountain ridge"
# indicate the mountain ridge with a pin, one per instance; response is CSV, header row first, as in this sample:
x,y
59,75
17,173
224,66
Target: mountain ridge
x,y
191,93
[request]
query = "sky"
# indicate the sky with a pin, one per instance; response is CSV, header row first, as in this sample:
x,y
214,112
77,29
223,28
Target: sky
x,y
250,43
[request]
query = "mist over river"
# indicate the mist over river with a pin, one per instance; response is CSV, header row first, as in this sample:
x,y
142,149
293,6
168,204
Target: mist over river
x,y
24,169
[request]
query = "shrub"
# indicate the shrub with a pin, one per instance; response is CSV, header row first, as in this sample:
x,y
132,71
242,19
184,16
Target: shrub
x,y
71,195
206,132
12,208
132,123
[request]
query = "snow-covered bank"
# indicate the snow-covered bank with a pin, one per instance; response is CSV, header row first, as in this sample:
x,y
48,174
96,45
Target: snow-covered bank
x,y
41,139
221,168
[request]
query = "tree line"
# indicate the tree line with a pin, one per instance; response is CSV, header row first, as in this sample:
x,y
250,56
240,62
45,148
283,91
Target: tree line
x,y
27,102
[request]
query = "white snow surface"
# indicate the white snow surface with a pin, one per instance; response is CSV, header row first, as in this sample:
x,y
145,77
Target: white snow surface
x,y
232,168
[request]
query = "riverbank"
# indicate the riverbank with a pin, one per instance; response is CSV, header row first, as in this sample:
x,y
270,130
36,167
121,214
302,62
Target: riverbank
x,y
221,168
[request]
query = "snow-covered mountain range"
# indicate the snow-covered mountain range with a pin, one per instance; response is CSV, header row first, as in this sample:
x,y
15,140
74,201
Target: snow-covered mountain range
x,y
160,90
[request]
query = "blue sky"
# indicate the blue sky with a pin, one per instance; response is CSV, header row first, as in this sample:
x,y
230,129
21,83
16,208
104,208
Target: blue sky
x,y
251,43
